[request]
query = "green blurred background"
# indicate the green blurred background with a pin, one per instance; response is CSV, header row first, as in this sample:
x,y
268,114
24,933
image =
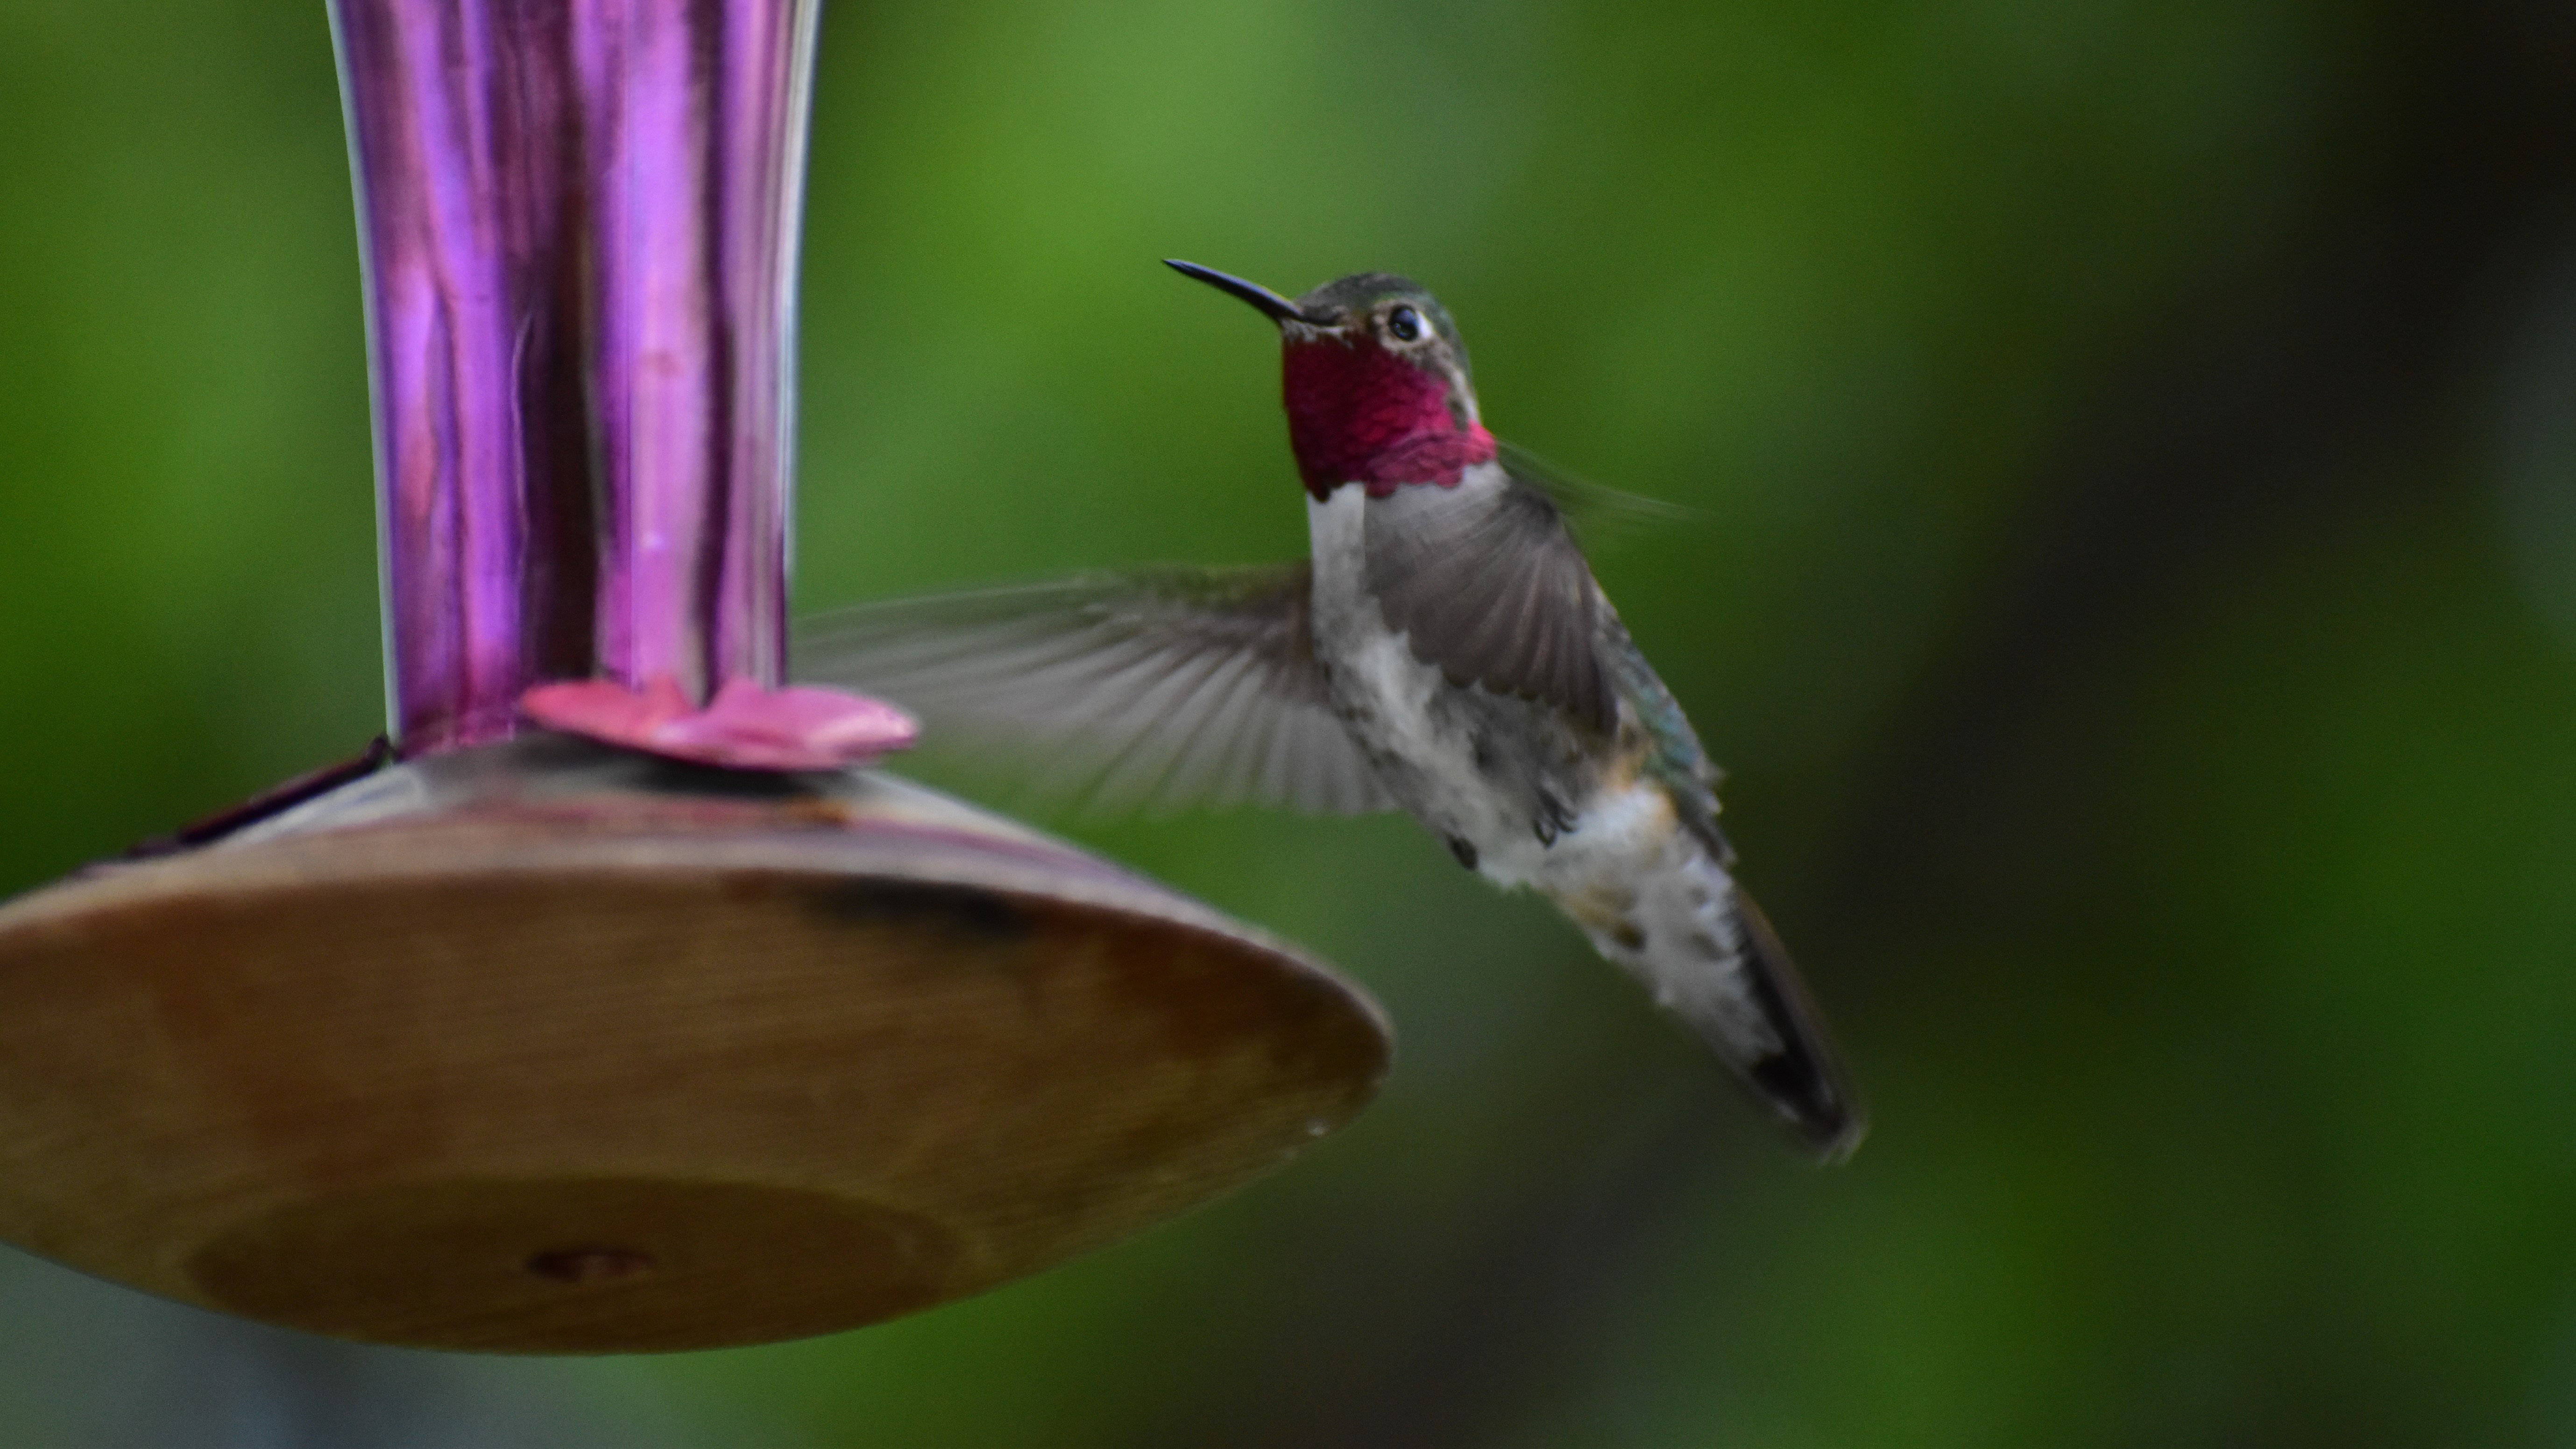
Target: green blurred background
x,y
2135,595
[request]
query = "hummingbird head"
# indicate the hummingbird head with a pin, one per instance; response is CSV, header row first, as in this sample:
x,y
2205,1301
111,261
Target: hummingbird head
x,y
1375,380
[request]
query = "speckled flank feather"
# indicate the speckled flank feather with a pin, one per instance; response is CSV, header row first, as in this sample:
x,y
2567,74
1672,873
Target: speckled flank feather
x,y
1673,757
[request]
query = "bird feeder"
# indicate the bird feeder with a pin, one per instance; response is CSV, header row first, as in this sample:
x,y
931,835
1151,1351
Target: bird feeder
x,y
508,1039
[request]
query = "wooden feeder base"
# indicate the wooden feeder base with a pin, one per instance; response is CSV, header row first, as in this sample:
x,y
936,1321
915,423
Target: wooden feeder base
x,y
543,1048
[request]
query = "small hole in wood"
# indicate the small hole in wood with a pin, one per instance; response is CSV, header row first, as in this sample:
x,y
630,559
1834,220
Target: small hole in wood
x,y
590,1264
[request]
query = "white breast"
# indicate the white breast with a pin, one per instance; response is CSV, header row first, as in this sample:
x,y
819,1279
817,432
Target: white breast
x,y
1392,702
1384,693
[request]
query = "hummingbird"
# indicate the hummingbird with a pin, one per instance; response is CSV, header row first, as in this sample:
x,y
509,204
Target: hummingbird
x,y
1444,650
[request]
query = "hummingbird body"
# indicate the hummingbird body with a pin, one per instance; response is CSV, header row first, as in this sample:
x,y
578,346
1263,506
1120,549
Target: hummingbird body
x,y
1444,650
1532,798
1502,779
1522,795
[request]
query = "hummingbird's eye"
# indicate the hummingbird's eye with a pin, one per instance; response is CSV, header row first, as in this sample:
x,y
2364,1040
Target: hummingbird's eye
x,y
1405,325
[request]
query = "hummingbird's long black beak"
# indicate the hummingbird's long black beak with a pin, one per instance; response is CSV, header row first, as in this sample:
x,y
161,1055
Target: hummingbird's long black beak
x,y
1279,308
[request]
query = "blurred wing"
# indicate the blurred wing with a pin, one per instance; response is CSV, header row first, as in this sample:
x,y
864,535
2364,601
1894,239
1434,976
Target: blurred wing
x,y
1489,586
1598,514
1153,690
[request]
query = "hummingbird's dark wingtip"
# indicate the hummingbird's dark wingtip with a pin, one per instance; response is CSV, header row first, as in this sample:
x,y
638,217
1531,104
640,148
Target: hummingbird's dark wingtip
x,y
1276,307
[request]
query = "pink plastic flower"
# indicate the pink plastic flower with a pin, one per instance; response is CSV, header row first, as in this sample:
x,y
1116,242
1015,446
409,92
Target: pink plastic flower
x,y
745,727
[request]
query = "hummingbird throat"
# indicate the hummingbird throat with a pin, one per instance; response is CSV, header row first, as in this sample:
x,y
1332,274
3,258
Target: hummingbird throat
x,y
1359,414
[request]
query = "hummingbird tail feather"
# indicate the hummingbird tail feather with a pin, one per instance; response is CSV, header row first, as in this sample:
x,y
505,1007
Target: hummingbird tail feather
x,y
1805,1080
1723,971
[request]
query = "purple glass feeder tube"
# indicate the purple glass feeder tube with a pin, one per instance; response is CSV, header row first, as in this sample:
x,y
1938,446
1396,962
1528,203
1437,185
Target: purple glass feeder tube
x,y
579,219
